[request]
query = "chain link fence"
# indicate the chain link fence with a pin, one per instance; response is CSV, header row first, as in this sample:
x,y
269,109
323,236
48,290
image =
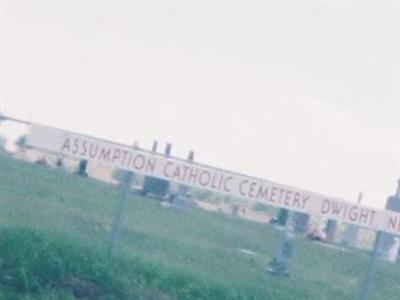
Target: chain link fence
x,y
251,248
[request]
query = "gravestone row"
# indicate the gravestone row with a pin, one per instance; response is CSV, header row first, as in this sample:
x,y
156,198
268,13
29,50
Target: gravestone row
x,y
301,225
156,187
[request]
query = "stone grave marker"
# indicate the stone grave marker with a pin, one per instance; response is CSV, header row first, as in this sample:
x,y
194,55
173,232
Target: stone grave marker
x,y
330,230
282,217
155,186
301,221
82,168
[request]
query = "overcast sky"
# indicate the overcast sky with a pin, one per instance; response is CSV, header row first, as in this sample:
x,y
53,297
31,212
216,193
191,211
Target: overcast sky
x,y
302,94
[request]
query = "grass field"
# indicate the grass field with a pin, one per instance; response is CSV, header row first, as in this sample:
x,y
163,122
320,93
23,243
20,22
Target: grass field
x,y
55,228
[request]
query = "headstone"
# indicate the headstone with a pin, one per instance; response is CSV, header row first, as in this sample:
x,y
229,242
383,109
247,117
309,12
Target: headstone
x,y
179,203
280,264
60,162
235,208
82,168
155,145
21,143
155,186
42,161
168,148
330,230
282,217
387,239
301,221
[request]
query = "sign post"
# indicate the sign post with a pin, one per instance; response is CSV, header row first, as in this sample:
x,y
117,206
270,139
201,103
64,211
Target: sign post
x,y
125,190
280,264
367,281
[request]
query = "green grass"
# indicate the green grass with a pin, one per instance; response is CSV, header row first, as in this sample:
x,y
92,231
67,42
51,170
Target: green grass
x,y
54,235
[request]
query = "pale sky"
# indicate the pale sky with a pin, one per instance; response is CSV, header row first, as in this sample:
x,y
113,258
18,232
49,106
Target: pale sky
x,y
303,94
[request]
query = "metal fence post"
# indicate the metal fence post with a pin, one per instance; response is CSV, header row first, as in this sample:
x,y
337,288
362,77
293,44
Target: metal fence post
x,y
280,264
125,188
367,282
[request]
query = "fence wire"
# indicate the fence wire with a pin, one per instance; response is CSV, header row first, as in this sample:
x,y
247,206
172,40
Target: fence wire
x,y
227,241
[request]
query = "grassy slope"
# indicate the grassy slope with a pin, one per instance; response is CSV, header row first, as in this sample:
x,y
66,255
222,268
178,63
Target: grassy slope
x,y
164,254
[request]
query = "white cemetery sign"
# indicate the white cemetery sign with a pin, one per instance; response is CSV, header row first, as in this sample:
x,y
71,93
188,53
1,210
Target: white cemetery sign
x,y
210,178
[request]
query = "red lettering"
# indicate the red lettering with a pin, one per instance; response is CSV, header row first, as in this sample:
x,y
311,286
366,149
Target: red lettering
x,y
105,154
93,150
176,173
241,187
84,148
326,206
281,195
185,169
202,177
337,208
151,164
66,145
371,220
124,152
226,185
364,215
287,197
193,174
139,162
393,223
166,166
296,197
305,200
353,213
271,198
252,189
116,155
214,184
262,192
76,146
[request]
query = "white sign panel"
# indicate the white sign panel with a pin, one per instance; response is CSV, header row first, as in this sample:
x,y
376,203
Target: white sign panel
x,y
210,178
